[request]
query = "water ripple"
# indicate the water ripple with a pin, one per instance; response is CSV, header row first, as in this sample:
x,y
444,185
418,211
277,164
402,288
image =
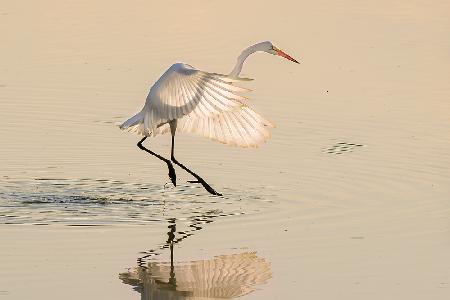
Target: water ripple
x,y
88,202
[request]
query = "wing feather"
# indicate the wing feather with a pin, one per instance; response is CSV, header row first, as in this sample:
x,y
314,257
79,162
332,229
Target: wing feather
x,y
240,123
237,135
199,109
183,90
211,96
206,104
241,127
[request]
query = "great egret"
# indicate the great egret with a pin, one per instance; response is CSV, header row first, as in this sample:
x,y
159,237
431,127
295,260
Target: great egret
x,y
209,104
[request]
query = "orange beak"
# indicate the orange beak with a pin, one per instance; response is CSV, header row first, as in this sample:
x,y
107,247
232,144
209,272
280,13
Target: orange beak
x,y
282,54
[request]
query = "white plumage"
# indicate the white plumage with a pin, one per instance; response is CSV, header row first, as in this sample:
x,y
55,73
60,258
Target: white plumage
x,y
208,104
203,103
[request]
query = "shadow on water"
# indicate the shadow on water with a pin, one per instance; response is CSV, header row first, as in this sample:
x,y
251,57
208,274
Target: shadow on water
x,y
222,277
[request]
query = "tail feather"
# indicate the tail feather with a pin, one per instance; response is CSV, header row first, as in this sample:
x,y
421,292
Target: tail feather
x,y
134,124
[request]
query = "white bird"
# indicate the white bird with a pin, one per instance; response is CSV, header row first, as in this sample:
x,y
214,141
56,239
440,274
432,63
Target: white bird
x,y
188,100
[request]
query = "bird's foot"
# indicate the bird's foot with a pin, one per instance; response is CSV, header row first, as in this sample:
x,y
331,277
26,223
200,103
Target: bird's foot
x,y
206,186
199,179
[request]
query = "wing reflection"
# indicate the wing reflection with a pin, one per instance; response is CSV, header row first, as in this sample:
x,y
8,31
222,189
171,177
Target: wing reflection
x,y
225,277
222,277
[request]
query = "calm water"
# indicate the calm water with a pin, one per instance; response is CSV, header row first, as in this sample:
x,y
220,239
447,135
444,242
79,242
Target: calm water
x,y
349,197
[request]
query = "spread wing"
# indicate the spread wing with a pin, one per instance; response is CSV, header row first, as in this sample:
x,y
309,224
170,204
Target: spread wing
x,y
183,90
206,104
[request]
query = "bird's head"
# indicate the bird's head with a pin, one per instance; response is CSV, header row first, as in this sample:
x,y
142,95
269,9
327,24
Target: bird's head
x,y
270,48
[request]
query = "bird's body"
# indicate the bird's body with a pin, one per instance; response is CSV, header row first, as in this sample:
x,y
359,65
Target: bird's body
x,y
188,100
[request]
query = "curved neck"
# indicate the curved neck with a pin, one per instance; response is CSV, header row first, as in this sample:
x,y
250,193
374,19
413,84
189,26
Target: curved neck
x,y
241,58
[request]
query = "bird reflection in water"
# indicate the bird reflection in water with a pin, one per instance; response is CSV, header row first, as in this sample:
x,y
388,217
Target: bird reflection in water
x,y
222,277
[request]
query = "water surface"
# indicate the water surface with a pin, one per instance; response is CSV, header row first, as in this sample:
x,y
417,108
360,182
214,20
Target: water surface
x,y
349,197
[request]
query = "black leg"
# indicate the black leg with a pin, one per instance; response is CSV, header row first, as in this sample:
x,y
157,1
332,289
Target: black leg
x,y
199,179
172,175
